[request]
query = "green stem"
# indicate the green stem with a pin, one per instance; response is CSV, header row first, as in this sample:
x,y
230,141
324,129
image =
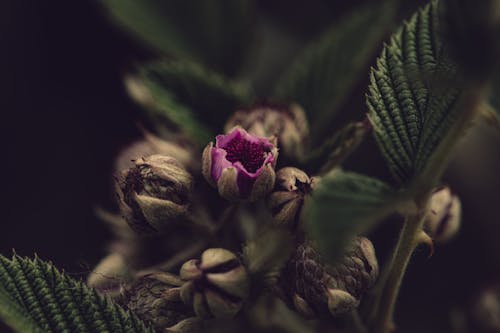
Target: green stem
x,y
408,241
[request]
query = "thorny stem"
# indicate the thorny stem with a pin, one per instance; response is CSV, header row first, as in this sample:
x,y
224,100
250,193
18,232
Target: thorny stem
x,y
408,241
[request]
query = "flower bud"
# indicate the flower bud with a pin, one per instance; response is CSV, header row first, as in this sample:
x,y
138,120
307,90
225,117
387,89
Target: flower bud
x,y
240,165
313,288
286,201
288,124
216,285
154,192
443,219
155,298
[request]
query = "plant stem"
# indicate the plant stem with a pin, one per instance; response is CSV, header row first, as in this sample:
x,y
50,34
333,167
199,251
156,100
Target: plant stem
x,y
408,241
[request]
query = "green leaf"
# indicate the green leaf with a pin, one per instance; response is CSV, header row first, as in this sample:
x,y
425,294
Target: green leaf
x,y
214,32
412,95
187,95
337,148
324,74
344,205
36,297
15,316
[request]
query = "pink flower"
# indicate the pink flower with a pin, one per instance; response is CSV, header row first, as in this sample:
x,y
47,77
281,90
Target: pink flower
x,y
241,165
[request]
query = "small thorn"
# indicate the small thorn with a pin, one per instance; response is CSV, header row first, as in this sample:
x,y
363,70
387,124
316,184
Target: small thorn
x,y
424,238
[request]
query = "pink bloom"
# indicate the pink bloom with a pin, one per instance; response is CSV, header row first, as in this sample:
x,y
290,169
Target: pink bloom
x,y
241,165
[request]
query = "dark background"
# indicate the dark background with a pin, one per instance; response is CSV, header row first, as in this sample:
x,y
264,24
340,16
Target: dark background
x,y
65,114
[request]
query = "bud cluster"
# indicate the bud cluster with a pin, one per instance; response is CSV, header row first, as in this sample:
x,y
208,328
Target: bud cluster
x,y
166,203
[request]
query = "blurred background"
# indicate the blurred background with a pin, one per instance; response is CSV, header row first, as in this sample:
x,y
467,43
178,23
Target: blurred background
x,y
65,114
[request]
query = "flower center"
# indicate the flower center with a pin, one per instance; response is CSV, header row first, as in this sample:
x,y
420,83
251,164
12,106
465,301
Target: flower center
x,y
251,154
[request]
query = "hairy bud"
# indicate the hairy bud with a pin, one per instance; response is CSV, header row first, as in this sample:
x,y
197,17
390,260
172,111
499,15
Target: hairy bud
x,y
216,285
313,288
240,165
443,220
291,186
288,124
155,298
154,192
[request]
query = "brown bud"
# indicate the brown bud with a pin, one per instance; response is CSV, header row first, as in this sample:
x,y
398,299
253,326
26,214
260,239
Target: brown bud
x,y
288,124
358,270
154,192
291,187
216,285
155,298
443,219
310,286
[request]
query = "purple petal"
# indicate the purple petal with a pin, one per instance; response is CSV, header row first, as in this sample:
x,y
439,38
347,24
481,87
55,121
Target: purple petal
x,y
219,163
222,140
244,179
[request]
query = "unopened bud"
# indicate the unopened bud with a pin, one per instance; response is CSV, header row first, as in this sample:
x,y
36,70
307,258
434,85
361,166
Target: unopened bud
x,y
216,285
443,219
288,124
155,298
240,165
286,202
154,192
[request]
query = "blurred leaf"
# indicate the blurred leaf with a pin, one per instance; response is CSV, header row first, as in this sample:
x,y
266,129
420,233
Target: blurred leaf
x,y
36,297
188,95
473,31
344,205
165,111
337,148
412,95
324,74
269,251
214,32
